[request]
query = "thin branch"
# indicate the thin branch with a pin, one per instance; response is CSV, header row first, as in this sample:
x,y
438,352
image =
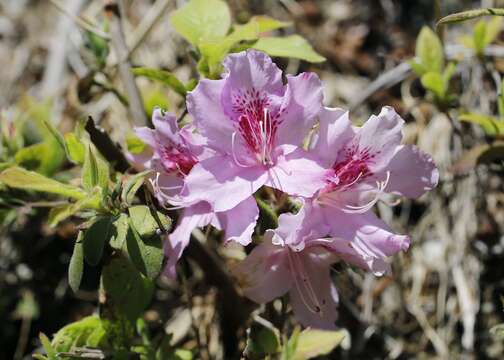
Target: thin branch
x,y
113,12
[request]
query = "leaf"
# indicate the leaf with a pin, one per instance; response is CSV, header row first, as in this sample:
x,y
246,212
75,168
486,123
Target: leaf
x,y
500,100
20,178
268,217
95,171
470,14
498,331
95,238
202,18
312,343
88,331
467,41
262,340
75,149
493,30
144,222
479,37
266,23
46,344
135,145
433,81
119,231
491,125
129,291
290,346
132,185
27,307
60,213
293,46
146,254
76,267
429,50
164,77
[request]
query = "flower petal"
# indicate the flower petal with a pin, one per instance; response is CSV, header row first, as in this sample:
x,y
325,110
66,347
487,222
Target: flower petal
x,y
219,181
239,222
297,174
192,217
264,274
412,172
317,270
301,104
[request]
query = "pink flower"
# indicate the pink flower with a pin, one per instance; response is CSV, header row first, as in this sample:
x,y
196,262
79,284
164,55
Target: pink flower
x,y
256,126
274,268
364,165
172,153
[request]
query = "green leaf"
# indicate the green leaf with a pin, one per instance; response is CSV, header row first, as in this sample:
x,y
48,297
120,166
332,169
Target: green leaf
x,y
76,150
417,67
145,253
268,217
119,231
202,18
262,339
498,331
95,239
135,145
132,185
500,100
46,344
165,77
27,307
448,74
479,37
433,81
470,14
76,267
95,170
290,346
429,51
266,23
90,331
293,46
312,343
491,125
129,291
62,212
493,29
144,222
20,178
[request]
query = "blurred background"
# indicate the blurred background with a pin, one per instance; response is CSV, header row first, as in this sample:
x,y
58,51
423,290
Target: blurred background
x,y
445,295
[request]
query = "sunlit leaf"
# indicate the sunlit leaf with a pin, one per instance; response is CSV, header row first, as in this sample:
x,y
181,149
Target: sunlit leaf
x,y
89,331
76,150
132,185
46,344
493,29
145,253
20,178
491,125
202,18
312,343
479,36
95,170
135,145
144,222
119,231
433,81
293,46
163,76
470,14
429,51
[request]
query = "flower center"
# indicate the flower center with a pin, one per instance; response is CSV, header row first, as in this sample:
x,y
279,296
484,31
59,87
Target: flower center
x,y
256,124
177,159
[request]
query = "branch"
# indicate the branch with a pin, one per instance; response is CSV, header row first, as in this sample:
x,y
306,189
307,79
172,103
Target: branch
x,y
113,12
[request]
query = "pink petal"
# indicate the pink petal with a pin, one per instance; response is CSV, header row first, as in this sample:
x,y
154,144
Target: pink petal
x,y
219,181
317,275
297,174
192,217
239,222
301,104
335,130
264,274
412,172
204,105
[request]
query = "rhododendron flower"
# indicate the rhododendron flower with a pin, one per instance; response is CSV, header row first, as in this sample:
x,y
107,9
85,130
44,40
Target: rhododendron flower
x,y
274,268
364,165
255,124
172,153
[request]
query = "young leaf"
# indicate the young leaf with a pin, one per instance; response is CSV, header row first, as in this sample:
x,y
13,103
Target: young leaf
x,y
75,149
290,346
132,185
470,14
433,81
20,178
492,126
60,213
95,238
479,36
46,344
266,23
129,291
312,343
95,170
164,77
76,266
500,100
293,46
202,18
429,50
493,29
89,331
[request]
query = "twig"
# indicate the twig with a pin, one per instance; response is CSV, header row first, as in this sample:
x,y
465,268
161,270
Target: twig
x,y
112,10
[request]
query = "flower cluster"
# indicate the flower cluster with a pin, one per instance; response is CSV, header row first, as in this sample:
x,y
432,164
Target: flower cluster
x,y
250,129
